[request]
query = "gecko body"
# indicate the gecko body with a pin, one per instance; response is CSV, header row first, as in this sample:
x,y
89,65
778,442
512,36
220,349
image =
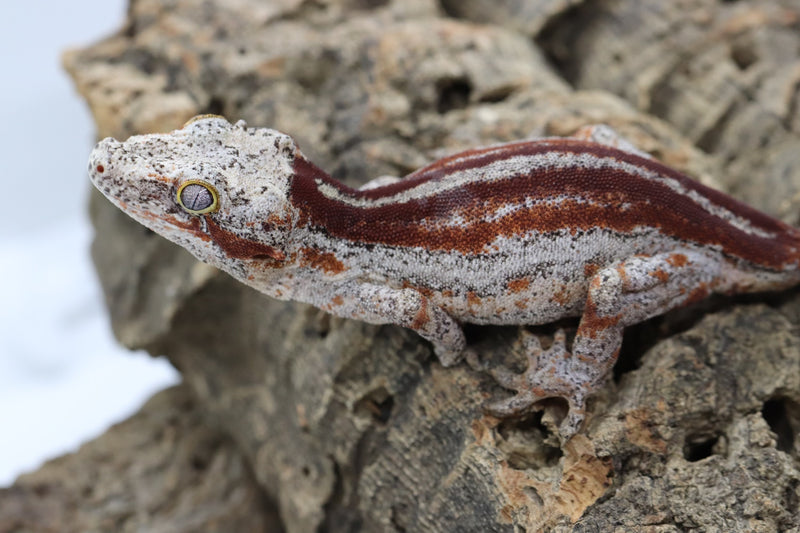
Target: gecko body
x,y
519,233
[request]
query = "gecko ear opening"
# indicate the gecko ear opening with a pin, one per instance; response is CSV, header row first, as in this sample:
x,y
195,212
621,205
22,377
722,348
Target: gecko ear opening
x,y
198,197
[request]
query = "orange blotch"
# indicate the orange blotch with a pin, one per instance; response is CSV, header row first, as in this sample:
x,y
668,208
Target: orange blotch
x,y
698,293
660,275
473,299
518,285
562,296
325,261
275,220
593,324
428,293
623,275
421,318
677,260
425,291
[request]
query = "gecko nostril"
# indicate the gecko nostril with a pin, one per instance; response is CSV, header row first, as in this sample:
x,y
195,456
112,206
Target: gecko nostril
x,y
100,169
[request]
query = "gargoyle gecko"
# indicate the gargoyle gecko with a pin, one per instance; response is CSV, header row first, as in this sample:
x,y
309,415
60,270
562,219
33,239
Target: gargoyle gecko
x,y
520,233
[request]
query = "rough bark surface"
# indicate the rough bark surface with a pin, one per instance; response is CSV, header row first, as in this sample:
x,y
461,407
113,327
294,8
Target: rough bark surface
x,y
352,427
161,470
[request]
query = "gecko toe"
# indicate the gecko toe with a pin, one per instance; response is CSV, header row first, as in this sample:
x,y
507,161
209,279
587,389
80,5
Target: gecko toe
x,y
560,339
571,423
516,405
474,361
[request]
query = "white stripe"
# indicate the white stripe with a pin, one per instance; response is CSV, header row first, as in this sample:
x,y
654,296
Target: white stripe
x,y
512,166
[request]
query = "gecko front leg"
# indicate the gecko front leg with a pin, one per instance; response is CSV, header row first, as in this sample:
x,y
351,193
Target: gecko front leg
x,y
620,295
380,304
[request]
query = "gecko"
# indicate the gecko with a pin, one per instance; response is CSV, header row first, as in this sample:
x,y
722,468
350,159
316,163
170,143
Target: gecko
x,y
521,233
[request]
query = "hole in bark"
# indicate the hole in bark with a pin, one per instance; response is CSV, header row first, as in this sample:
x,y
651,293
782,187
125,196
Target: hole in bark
x,y
369,4
561,39
523,443
453,94
533,495
743,54
400,517
452,8
377,404
636,341
698,447
778,414
198,463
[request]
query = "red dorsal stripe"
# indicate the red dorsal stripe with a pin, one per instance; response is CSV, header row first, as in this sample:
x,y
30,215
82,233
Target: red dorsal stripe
x,y
607,197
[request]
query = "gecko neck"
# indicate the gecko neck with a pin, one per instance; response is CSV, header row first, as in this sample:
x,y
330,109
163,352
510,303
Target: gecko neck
x,y
386,215
308,177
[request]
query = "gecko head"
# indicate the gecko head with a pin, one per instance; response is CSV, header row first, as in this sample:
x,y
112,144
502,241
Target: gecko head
x,y
217,189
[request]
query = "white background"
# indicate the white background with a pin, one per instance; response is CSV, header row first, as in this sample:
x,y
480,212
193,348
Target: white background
x,y
63,379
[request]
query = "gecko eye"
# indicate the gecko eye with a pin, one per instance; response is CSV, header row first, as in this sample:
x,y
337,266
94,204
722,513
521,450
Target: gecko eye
x,y
197,197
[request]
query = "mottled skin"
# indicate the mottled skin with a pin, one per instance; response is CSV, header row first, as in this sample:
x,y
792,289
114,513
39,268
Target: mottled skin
x,y
521,233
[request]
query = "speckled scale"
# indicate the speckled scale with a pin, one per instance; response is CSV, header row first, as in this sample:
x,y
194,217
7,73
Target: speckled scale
x,y
521,233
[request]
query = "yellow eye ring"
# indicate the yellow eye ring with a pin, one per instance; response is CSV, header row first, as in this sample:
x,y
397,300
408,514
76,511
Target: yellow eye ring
x,y
202,117
197,197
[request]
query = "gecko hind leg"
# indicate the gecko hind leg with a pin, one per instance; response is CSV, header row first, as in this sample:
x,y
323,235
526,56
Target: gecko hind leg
x,y
622,294
536,382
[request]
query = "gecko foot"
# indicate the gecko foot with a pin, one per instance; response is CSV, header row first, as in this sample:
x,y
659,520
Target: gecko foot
x,y
545,377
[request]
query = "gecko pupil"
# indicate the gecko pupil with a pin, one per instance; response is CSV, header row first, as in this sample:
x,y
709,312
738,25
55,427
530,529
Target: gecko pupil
x,y
196,197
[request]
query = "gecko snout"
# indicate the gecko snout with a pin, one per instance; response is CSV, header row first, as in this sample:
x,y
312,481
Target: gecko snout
x,y
100,160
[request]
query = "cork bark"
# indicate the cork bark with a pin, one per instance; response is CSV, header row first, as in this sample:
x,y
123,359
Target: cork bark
x,y
343,426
